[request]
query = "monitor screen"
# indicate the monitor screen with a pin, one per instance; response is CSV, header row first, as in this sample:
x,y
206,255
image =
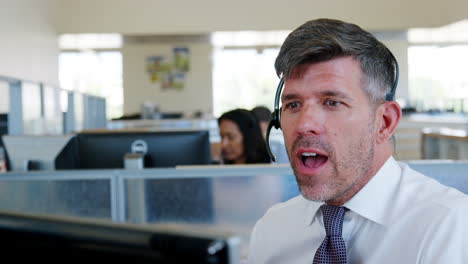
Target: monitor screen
x,y
53,239
107,150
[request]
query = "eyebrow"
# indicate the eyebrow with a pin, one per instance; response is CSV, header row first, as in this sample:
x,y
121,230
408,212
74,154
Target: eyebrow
x,y
291,96
287,97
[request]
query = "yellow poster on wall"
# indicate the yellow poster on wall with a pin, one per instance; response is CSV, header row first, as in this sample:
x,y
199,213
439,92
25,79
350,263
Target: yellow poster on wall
x,y
171,74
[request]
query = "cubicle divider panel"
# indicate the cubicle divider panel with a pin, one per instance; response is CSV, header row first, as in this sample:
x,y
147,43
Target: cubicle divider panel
x,y
81,194
230,198
453,173
32,108
240,195
52,110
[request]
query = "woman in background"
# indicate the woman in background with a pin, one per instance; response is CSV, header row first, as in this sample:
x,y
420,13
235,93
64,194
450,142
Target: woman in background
x,y
241,138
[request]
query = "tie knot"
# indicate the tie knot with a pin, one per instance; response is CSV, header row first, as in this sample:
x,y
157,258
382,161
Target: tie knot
x,y
333,219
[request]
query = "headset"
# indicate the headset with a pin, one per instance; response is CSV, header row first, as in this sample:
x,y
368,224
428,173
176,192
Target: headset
x,y
275,120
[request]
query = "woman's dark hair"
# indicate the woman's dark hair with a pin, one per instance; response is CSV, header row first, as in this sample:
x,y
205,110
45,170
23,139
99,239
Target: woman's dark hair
x,y
262,113
254,144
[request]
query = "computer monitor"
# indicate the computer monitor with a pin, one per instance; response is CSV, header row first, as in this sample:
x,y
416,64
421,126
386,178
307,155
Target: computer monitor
x,y
185,200
54,239
3,128
106,150
35,152
3,123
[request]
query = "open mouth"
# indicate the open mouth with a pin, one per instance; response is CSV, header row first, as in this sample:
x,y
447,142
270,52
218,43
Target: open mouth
x,y
313,160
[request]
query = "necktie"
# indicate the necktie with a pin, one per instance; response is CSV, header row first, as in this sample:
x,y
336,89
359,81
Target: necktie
x,y
333,248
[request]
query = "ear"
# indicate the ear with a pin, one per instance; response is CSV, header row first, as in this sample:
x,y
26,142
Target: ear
x,y
389,115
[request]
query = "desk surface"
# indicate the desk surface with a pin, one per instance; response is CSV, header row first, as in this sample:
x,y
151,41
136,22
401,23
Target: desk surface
x,y
444,132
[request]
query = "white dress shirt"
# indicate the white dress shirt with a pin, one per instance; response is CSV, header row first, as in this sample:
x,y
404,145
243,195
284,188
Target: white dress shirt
x,y
399,217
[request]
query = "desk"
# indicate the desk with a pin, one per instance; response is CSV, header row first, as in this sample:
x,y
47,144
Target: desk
x,y
409,137
444,143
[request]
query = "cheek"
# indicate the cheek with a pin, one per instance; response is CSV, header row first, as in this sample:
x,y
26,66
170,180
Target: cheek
x,y
239,147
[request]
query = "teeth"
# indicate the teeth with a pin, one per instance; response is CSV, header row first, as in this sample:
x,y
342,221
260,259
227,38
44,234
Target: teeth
x,y
309,154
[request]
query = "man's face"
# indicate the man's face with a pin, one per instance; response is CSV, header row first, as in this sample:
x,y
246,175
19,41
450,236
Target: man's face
x,y
328,127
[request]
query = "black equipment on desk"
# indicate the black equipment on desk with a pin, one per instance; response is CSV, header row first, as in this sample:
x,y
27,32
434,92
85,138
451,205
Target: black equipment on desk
x,y
53,239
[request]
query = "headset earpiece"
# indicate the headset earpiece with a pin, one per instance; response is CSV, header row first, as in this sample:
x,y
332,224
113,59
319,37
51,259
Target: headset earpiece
x,y
275,119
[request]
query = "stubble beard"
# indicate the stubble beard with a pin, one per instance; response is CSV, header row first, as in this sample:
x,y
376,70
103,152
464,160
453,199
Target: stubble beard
x,y
347,170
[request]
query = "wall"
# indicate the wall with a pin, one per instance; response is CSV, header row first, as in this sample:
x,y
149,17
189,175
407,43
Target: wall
x,y
197,94
28,38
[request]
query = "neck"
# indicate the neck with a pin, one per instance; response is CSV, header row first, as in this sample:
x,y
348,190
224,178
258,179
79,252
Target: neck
x,y
381,156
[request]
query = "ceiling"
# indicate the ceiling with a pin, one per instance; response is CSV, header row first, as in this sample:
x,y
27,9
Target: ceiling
x,y
141,17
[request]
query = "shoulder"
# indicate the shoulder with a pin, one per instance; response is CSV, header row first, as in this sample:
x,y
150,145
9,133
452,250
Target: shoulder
x,y
288,215
427,196
273,232
425,188
289,208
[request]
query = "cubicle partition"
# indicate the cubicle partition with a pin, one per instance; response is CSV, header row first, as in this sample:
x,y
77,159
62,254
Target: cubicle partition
x,y
453,173
88,194
35,108
230,198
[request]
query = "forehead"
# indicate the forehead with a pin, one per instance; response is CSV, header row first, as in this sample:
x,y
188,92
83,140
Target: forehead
x,y
342,75
228,126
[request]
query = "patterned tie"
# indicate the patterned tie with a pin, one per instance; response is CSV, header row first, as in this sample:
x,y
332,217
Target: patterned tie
x,y
333,248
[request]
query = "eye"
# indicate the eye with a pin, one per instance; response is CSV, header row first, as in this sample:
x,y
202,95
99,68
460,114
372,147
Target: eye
x,y
332,103
292,105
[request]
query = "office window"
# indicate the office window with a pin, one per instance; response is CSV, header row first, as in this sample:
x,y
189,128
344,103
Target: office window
x,y
437,63
243,78
437,77
92,64
243,72
96,73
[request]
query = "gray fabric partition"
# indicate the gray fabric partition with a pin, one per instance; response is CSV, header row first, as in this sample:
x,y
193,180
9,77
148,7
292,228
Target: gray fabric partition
x,y
230,198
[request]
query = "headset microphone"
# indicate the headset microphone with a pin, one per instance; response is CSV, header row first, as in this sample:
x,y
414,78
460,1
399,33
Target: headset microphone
x,y
276,115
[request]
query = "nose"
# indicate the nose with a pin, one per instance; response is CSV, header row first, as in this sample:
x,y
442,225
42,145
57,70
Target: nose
x,y
224,142
310,121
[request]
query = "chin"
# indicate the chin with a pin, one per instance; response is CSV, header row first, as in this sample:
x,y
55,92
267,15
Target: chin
x,y
313,195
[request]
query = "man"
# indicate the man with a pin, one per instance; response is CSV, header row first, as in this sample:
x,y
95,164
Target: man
x,y
358,205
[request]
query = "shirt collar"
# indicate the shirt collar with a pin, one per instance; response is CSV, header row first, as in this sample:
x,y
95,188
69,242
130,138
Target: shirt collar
x,y
373,201
311,210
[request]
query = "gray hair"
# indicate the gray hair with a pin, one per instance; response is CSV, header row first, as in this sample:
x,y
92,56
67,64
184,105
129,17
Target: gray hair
x,y
325,39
